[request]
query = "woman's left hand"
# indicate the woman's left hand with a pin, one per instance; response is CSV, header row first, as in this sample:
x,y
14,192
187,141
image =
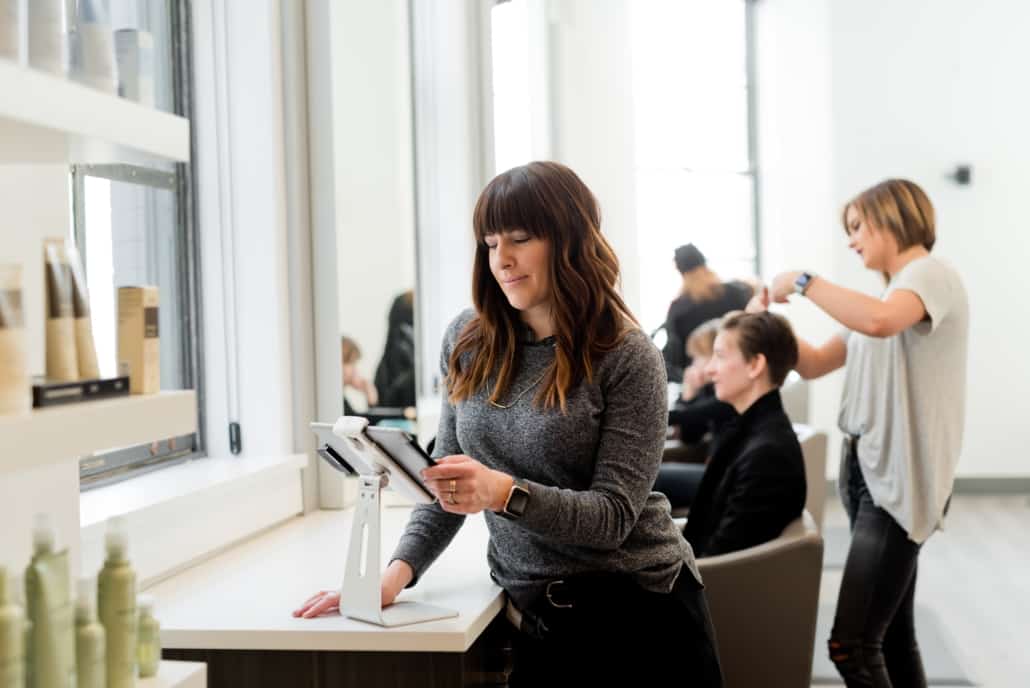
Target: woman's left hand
x,y
783,286
465,486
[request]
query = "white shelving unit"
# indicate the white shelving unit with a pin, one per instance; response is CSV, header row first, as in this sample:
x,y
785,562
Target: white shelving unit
x,y
46,119
47,123
177,675
72,431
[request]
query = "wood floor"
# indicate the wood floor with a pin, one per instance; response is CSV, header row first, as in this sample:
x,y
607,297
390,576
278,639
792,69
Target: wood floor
x,y
975,575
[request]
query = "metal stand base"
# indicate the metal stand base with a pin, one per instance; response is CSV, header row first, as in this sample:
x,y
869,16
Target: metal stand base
x,y
361,597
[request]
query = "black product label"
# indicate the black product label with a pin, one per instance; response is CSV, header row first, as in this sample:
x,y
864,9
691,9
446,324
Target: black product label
x,y
11,314
59,290
150,322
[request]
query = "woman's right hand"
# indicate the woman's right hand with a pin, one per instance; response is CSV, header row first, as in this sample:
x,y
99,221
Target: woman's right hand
x,y
396,576
759,302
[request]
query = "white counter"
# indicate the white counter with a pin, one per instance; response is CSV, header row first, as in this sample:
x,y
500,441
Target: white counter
x,y
243,598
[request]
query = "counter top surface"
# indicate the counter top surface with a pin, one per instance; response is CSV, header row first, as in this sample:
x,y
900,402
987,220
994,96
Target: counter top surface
x,y
243,598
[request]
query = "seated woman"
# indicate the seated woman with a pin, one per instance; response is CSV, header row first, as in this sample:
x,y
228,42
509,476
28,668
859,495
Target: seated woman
x,y
754,484
697,417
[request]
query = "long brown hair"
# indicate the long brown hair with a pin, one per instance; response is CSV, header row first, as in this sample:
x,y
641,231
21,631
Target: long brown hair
x,y
549,201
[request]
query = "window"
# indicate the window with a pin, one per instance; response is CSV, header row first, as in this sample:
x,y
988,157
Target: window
x,y
520,83
695,177
134,225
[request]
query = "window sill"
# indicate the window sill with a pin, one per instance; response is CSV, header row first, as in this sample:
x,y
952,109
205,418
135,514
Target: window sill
x,y
169,484
184,514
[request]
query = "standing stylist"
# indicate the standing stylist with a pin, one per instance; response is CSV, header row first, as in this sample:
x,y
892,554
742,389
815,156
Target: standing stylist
x,y
553,427
902,414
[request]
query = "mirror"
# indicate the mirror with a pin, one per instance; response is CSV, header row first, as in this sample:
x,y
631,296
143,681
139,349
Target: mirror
x,y
375,216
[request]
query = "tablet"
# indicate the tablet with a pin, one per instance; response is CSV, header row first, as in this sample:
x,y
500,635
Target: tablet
x,y
352,446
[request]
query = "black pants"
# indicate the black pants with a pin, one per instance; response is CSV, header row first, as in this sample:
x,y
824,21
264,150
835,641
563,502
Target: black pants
x,y
873,642
628,636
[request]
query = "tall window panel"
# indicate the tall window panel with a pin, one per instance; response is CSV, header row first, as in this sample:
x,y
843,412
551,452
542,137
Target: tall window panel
x,y
695,176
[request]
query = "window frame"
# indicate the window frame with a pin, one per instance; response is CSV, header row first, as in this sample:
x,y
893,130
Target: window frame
x,y
124,463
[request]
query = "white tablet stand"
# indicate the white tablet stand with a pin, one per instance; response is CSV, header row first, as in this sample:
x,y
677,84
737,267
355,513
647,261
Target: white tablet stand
x,y
360,596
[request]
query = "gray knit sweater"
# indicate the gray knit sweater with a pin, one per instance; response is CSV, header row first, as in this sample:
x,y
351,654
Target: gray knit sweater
x,y
590,474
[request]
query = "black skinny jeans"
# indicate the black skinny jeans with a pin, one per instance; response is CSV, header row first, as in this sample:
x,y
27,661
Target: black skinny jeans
x,y
873,642
626,636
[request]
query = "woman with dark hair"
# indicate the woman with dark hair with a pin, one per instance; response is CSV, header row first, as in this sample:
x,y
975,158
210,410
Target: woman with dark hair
x,y
553,427
902,415
395,374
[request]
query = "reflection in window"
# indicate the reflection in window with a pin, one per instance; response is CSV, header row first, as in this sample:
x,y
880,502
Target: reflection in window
x,y
694,177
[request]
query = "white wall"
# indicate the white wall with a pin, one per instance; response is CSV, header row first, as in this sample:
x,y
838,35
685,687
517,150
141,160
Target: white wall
x,y
374,167
915,88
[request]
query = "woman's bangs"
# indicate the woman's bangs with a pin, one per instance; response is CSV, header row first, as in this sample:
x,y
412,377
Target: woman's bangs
x,y
508,204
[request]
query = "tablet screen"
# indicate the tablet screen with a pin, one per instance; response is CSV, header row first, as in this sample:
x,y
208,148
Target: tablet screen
x,y
403,449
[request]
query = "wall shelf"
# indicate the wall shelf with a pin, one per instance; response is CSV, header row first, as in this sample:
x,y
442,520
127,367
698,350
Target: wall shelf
x,y
48,119
176,675
71,431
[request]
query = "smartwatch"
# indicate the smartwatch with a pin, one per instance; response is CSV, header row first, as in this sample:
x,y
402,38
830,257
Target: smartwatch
x,y
803,282
518,498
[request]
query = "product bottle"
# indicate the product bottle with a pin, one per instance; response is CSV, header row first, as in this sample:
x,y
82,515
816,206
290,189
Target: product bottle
x,y
12,636
116,599
90,655
18,587
149,637
49,605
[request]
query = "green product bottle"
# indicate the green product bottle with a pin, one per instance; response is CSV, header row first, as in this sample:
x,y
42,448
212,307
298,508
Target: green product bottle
x,y
12,636
90,657
116,599
149,638
49,605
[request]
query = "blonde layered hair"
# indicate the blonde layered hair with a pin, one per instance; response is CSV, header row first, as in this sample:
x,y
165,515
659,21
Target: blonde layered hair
x,y
701,284
899,207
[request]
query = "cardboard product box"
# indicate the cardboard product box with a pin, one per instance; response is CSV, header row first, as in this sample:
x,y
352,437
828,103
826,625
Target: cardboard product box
x,y
138,345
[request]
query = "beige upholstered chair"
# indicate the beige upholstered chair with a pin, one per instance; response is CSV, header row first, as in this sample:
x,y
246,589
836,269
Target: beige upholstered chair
x,y
763,602
794,393
813,449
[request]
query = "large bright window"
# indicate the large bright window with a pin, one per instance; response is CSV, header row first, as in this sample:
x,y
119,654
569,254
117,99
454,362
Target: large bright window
x,y
695,178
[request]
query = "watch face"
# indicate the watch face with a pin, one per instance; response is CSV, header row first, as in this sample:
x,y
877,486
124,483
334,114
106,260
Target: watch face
x,y
517,501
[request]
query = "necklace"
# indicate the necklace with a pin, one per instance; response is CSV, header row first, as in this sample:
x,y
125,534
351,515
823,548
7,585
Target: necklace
x,y
521,394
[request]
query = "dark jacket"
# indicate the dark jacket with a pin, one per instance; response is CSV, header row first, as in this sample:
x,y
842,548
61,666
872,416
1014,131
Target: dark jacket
x,y
701,415
754,484
685,315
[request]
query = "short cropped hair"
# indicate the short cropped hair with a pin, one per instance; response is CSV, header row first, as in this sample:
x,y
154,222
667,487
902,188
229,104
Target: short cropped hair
x,y
768,334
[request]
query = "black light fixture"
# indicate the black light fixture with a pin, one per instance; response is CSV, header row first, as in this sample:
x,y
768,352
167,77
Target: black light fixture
x,y
963,175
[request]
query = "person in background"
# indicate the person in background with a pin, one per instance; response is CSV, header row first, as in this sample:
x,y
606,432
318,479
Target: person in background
x,y
902,414
395,375
702,296
552,427
697,417
754,485
352,379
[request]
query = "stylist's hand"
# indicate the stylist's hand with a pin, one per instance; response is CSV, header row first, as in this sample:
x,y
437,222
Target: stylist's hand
x,y
759,302
465,486
783,285
396,576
